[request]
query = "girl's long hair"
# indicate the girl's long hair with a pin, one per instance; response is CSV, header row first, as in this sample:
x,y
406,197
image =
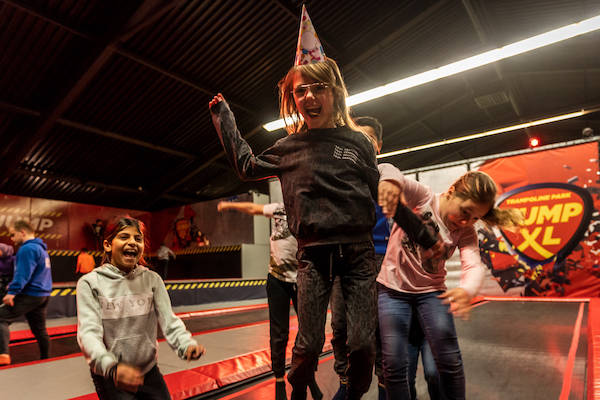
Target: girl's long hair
x,y
481,188
326,72
120,223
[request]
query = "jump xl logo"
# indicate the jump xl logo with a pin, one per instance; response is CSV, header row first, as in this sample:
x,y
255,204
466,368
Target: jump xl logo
x,y
556,218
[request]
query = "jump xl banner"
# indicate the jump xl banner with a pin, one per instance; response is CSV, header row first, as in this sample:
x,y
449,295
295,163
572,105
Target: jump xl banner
x,y
557,250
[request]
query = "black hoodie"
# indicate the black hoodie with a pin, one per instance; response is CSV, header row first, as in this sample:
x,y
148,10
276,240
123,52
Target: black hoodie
x,y
328,177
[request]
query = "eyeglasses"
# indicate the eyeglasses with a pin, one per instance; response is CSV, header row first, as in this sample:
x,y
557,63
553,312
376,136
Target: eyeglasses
x,y
317,89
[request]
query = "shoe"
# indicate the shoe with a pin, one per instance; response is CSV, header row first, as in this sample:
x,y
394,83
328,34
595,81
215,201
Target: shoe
x,y
315,391
4,359
280,393
382,392
341,393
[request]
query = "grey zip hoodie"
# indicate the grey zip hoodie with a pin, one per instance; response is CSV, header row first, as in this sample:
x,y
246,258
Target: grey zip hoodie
x,y
117,314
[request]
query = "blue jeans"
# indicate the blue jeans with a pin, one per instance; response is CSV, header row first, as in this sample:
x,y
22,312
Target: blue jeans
x,y
417,344
396,311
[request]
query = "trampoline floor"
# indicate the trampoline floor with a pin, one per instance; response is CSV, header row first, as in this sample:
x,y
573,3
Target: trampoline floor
x,y
511,350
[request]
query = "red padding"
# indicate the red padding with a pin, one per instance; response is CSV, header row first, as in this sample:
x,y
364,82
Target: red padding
x,y
238,368
195,381
52,331
538,299
593,362
72,329
91,396
189,383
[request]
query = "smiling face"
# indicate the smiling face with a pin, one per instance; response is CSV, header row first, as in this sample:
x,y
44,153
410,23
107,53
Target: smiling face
x,y
314,100
457,212
126,248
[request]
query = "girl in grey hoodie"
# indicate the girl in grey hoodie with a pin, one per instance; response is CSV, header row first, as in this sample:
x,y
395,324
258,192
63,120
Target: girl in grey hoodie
x,y
118,307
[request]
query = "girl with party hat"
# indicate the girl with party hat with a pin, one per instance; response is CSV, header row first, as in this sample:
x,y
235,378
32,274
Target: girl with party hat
x,y
329,178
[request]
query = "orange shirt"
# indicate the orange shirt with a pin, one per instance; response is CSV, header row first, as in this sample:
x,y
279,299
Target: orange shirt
x,y
85,263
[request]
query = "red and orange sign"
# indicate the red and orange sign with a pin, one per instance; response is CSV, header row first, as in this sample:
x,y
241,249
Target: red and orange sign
x,y
556,218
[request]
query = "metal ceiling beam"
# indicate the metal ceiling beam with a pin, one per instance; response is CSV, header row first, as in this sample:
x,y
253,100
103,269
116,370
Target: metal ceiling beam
x,y
395,35
592,107
164,191
60,106
428,115
97,131
177,77
100,185
353,64
481,34
117,48
52,20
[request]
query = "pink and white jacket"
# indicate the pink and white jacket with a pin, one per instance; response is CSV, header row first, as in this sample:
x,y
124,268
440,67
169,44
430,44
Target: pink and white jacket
x,y
402,269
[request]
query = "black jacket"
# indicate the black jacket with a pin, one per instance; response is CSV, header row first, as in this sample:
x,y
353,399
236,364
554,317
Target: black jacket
x,y
328,177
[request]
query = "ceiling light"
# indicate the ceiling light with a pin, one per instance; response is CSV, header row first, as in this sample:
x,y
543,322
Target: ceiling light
x,y
523,46
489,133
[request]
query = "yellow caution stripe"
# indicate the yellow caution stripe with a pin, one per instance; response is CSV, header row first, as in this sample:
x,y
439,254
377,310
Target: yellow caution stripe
x,y
207,249
71,291
215,284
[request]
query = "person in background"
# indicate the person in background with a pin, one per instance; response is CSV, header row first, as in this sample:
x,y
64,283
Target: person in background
x,y
7,267
119,306
281,285
98,233
29,291
164,255
411,283
85,263
381,235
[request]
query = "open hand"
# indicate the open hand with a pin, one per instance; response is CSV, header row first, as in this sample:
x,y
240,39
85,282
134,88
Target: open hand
x,y
459,300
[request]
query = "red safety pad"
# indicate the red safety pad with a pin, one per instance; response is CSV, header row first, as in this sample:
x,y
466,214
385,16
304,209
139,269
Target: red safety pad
x,y
52,331
593,364
189,383
238,368
195,381
91,396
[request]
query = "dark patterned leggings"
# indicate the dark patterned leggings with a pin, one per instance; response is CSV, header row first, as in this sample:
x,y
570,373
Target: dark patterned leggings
x,y
355,265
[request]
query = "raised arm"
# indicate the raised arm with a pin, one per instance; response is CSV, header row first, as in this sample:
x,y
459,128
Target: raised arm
x,y
392,186
239,153
244,207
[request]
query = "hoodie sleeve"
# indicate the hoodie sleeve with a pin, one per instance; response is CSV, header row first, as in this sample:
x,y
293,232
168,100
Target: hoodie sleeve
x,y
173,329
388,172
90,331
473,270
239,153
26,263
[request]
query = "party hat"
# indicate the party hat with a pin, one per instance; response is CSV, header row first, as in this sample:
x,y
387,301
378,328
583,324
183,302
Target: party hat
x,y
309,49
